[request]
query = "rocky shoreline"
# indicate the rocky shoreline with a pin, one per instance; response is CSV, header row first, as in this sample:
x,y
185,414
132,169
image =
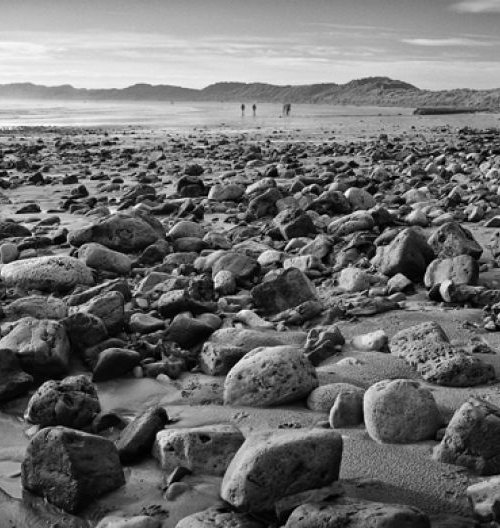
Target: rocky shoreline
x,y
249,330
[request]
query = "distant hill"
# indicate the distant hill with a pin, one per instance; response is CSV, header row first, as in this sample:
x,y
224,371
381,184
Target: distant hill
x,y
378,91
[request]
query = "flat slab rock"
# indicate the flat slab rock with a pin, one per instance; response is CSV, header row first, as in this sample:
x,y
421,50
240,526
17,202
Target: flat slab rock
x,y
207,449
272,465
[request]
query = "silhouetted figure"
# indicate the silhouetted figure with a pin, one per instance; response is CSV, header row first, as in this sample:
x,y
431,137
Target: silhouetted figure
x,y
286,109
254,109
242,109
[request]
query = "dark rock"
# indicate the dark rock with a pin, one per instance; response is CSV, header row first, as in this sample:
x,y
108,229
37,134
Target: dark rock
x,y
114,362
452,240
14,381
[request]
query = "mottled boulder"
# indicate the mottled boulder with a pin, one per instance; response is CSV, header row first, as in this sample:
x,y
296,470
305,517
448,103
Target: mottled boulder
x,y
270,376
70,468
102,258
52,274
408,254
85,329
272,465
356,513
471,438
109,307
41,345
72,402
227,346
219,517
400,411
452,240
206,449
139,435
14,381
120,232
463,269
290,288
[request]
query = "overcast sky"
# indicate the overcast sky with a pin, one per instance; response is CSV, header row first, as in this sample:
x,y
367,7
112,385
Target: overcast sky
x,y
114,43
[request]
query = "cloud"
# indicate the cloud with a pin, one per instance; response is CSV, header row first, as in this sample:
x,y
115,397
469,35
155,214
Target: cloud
x,y
477,6
442,42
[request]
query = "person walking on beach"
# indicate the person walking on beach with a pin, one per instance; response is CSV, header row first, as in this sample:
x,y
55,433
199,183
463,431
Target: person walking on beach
x,y
286,109
242,109
254,109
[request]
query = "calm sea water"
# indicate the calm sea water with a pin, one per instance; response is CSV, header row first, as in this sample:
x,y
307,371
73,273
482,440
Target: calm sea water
x,y
353,121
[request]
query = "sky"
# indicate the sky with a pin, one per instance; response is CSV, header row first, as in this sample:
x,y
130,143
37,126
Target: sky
x,y
434,44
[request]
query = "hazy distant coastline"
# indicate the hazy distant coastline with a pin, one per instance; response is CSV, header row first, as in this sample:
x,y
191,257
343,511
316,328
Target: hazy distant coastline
x,y
377,91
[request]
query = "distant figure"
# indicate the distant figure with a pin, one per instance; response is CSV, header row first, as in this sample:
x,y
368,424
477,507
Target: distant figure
x,y
242,109
286,109
254,109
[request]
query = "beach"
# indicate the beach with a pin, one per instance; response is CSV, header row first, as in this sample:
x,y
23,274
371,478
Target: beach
x,y
64,168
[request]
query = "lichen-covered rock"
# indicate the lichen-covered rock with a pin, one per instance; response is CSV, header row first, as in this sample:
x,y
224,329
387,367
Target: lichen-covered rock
x,y
72,402
471,438
206,449
52,273
270,376
400,411
41,345
69,467
272,465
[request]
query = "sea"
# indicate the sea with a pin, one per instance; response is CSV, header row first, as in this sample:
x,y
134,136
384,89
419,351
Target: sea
x,y
333,120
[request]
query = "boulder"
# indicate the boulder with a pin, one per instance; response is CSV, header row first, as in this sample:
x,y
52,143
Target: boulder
x,y
85,330
9,229
139,435
354,280
323,397
102,258
270,376
359,199
120,232
452,240
287,290
14,381
206,449
72,402
41,345
114,362
357,221
240,265
37,306
400,411
219,517
137,521
294,223
272,465
347,410
484,498
186,228
51,274
187,331
109,307
70,468
463,269
408,254
356,513
377,340
322,343
470,440
229,192
227,346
